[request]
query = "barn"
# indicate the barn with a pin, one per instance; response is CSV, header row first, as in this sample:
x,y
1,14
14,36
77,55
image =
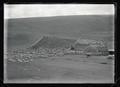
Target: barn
x,y
53,43
96,50
91,47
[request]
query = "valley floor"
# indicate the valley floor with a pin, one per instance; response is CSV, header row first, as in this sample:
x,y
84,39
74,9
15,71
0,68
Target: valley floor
x,y
62,69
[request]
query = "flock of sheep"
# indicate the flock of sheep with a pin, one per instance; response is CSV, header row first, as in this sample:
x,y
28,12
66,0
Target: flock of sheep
x,y
27,56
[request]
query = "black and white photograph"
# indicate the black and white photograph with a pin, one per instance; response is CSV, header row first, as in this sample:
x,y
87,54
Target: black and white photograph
x,y
59,43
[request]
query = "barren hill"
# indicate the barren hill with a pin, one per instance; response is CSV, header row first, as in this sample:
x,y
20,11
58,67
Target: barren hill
x,y
88,27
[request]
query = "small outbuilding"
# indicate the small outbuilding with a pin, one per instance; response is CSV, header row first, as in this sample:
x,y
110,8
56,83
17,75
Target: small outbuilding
x,y
91,47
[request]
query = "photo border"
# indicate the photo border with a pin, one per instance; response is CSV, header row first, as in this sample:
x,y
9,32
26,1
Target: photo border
x,y
47,84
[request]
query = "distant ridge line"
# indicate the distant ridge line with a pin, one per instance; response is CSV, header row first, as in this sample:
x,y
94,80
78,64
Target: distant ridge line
x,y
59,16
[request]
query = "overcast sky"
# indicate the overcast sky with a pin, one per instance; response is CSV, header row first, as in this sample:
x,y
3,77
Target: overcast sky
x,y
48,10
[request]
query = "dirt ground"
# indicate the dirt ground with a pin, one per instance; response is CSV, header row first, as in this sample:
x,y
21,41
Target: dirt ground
x,y
62,69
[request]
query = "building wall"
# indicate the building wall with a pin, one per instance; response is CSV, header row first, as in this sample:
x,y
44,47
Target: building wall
x,y
97,50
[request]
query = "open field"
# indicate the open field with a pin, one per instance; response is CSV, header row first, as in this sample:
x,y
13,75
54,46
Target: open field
x,y
76,68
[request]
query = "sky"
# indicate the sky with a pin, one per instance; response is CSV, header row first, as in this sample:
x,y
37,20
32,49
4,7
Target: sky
x,y
48,10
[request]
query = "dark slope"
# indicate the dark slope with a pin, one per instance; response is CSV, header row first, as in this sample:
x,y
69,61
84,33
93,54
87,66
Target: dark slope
x,y
89,27
73,24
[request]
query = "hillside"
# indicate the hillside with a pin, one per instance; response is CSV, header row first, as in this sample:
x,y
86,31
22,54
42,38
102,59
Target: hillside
x,y
25,31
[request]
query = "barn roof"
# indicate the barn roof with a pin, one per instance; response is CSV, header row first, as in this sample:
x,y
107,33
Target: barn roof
x,y
88,41
53,42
